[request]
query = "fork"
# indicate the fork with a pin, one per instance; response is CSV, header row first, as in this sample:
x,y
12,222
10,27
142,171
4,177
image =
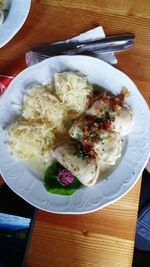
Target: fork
x,y
104,49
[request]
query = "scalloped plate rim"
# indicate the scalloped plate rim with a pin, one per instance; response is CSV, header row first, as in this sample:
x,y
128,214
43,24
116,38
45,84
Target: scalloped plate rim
x,y
147,154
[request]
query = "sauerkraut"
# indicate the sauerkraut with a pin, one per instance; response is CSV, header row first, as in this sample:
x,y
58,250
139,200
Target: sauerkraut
x,y
72,90
31,140
40,105
46,112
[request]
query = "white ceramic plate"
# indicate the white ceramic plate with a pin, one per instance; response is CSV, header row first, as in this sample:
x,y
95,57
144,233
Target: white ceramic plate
x,y
16,17
27,183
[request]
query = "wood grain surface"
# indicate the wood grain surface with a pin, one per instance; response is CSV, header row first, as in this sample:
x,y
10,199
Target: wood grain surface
x,y
104,238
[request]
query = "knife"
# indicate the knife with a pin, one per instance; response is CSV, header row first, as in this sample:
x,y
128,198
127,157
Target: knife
x,y
113,48
63,46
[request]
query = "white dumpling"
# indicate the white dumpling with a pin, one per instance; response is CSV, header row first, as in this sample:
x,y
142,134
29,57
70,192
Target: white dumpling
x,y
97,108
123,121
123,117
104,167
76,131
109,147
86,171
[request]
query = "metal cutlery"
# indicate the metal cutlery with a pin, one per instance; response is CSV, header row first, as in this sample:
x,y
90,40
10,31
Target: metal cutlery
x,y
105,49
88,46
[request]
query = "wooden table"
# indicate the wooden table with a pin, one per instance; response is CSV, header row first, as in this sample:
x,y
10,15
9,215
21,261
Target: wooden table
x,y
104,238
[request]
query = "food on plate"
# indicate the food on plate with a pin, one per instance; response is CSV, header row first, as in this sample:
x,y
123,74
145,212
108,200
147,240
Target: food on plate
x,y
76,136
86,171
112,109
59,180
44,117
4,8
100,129
72,89
99,143
40,105
31,140
108,150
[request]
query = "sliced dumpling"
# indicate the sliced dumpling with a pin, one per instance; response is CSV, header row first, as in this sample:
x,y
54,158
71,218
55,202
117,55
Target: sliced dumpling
x,y
104,167
86,171
122,115
123,120
108,148
98,108
105,143
76,131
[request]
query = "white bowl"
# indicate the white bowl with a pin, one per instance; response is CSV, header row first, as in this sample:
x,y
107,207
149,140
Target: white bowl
x,y
26,182
16,17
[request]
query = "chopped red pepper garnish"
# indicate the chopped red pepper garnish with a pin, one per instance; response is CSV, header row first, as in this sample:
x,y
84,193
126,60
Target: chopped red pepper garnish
x,y
95,125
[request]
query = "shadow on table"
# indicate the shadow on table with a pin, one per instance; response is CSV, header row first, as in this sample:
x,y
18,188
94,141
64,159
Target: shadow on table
x,y
141,256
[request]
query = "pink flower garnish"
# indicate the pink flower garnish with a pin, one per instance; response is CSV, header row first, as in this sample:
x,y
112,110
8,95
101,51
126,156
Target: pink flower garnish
x,y
65,177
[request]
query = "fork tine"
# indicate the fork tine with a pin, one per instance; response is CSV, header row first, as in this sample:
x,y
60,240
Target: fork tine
x,y
42,56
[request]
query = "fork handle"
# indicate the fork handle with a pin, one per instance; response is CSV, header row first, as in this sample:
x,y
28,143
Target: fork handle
x,y
101,48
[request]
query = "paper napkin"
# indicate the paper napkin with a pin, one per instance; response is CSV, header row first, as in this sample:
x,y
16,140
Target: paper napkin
x,y
96,33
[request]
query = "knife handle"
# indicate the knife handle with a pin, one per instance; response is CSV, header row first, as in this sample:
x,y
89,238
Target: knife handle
x,y
58,47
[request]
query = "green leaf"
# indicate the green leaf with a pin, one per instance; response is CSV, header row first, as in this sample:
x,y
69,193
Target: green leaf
x,y
53,186
92,137
79,153
101,118
79,136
